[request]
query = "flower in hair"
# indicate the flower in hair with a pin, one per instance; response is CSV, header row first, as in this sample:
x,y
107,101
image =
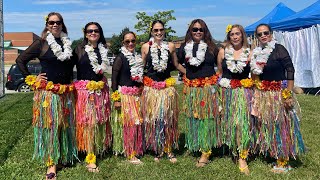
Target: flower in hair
x,y
46,18
228,29
150,26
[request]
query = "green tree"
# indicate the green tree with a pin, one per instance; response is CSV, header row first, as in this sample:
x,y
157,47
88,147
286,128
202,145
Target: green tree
x,y
76,42
116,42
144,22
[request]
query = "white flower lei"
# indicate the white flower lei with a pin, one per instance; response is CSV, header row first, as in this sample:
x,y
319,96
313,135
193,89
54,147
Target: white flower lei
x,y
260,57
159,64
224,82
98,68
56,48
135,63
200,54
231,62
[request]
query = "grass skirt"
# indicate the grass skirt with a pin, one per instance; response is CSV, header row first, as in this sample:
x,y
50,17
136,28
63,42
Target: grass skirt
x,y
276,131
201,113
236,117
160,115
54,127
127,126
93,130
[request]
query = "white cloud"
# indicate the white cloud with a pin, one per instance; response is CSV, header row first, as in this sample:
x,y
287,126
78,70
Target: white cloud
x,y
49,2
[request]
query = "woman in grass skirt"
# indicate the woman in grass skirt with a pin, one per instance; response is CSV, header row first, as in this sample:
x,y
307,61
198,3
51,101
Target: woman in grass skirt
x,y
53,106
159,97
236,93
93,130
200,107
277,132
127,122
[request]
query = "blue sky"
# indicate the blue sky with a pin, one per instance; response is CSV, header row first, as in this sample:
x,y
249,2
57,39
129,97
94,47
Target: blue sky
x,y
114,15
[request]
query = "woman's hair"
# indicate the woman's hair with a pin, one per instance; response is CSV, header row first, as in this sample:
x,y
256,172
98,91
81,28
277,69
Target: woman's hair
x,y
151,28
263,24
44,32
128,32
207,38
244,41
100,40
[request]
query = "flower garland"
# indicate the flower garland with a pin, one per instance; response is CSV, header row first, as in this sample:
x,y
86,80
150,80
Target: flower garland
x,y
231,62
270,85
91,86
159,84
56,48
235,83
48,85
130,90
260,57
115,96
201,82
200,54
159,64
135,63
98,68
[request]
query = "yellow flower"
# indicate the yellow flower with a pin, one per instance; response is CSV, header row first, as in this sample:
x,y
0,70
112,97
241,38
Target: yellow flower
x,y
62,89
282,162
196,115
150,26
207,153
30,79
258,84
45,104
244,154
100,84
37,84
247,83
90,158
286,93
49,85
228,29
46,18
71,88
90,86
49,162
170,82
115,96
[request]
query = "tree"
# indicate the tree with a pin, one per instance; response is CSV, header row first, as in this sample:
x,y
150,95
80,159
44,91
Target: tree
x,y
116,42
144,22
76,42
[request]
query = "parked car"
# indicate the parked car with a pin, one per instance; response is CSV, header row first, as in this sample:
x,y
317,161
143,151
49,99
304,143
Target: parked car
x,y
15,79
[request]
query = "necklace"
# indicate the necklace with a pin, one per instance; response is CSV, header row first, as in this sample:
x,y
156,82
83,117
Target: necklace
x,y
135,63
260,57
231,62
98,68
56,48
200,54
159,64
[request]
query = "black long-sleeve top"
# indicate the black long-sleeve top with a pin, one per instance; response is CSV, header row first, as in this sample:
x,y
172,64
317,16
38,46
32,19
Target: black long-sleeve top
x,y
121,75
84,69
279,66
205,69
226,73
56,71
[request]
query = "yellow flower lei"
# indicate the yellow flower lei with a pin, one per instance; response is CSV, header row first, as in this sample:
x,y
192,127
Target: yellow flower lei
x,y
115,96
282,162
246,83
286,93
243,154
170,82
90,158
93,85
30,79
49,162
207,154
49,85
228,29
62,89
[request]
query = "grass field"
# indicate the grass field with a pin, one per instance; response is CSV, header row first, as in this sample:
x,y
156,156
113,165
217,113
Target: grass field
x,y
16,148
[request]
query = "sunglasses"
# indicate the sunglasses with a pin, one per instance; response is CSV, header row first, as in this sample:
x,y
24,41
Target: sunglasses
x,y
197,29
157,30
54,22
127,42
90,31
260,34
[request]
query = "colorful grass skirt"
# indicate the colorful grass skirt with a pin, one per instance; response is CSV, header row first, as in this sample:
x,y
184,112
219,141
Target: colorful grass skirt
x,y
127,123
93,130
276,130
54,127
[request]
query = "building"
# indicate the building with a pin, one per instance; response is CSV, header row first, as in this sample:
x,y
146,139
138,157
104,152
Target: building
x,y
15,43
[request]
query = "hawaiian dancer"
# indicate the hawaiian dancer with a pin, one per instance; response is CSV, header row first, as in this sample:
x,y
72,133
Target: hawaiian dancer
x,y
93,130
53,106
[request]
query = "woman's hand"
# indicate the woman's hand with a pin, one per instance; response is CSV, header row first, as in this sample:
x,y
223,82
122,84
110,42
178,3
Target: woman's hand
x,y
42,77
117,105
288,103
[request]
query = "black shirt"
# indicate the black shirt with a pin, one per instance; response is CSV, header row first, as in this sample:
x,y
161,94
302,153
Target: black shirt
x,y
226,73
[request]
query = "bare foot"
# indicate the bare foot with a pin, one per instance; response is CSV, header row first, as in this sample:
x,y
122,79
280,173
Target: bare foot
x,y
135,161
203,161
51,173
243,167
92,168
172,158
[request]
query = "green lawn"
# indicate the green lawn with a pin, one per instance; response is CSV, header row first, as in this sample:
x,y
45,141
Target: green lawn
x,y
16,148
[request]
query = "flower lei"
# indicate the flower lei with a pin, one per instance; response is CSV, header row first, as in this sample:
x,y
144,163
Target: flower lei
x,y
200,55
56,48
235,83
48,85
201,82
159,84
98,68
159,64
231,62
260,57
135,63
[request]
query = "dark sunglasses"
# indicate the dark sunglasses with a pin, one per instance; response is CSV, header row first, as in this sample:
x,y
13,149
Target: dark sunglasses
x,y
54,22
127,42
197,29
267,33
90,31
156,30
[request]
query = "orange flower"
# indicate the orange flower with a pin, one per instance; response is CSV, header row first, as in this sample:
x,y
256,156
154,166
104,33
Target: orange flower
x,y
202,103
235,83
147,81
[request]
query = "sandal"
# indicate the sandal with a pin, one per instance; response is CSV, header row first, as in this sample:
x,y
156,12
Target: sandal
x,y
172,158
51,175
94,169
135,161
244,170
280,170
